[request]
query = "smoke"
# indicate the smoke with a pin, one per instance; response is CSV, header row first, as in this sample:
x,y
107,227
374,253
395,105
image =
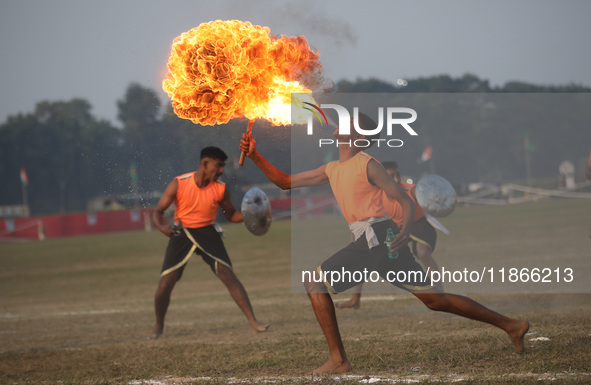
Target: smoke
x,y
304,15
323,31
317,21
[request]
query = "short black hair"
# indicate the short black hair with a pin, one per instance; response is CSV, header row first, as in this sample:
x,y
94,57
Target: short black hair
x,y
390,164
367,123
213,153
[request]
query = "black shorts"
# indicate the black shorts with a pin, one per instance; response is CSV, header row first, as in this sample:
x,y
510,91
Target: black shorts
x,y
358,261
422,232
205,241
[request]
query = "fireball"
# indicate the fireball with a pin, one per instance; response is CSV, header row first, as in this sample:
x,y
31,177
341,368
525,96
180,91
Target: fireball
x,y
232,69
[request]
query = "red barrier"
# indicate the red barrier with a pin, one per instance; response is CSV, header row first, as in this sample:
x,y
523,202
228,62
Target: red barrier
x,y
55,226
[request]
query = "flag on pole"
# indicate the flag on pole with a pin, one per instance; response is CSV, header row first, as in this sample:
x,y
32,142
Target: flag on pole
x,y
24,177
426,154
527,144
133,172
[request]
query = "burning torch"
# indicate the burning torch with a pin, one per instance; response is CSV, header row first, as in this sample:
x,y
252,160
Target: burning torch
x,y
223,70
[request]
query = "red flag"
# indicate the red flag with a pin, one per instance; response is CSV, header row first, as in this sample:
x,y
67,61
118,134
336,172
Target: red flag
x,y
426,153
24,177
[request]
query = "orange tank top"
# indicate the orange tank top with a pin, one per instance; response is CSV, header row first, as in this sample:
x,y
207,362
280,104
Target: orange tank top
x,y
197,207
394,210
357,198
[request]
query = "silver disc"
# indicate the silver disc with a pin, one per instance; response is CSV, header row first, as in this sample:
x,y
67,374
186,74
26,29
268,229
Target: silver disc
x,y
256,211
436,195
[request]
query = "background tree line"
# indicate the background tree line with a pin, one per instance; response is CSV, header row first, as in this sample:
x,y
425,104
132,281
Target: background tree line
x,y
70,156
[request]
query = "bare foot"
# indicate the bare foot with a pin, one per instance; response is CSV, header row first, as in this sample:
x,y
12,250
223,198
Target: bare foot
x,y
156,333
517,335
331,367
259,328
350,304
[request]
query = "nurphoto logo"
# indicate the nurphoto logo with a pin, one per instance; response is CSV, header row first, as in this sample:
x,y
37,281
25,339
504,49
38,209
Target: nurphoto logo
x,y
394,117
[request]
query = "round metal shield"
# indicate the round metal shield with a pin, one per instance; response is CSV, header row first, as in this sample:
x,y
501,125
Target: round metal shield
x,y
436,195
256,211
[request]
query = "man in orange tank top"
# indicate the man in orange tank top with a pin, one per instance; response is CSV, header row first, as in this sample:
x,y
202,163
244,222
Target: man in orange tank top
x,y
369,249
422,235
197,197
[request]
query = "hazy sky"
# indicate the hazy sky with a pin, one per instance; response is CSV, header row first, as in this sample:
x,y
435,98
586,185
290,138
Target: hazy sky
x,y
62,49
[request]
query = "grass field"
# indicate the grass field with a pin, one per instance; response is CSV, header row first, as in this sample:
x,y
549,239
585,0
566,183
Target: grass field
x,y
78,311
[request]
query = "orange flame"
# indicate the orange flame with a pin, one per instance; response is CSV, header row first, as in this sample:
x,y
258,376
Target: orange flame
x,y
229,69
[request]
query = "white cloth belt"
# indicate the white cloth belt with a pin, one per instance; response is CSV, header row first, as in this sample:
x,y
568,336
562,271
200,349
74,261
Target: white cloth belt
x,y
364,227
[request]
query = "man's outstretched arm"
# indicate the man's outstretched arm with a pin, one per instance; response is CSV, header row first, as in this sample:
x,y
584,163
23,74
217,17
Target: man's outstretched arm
x,y
281,179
